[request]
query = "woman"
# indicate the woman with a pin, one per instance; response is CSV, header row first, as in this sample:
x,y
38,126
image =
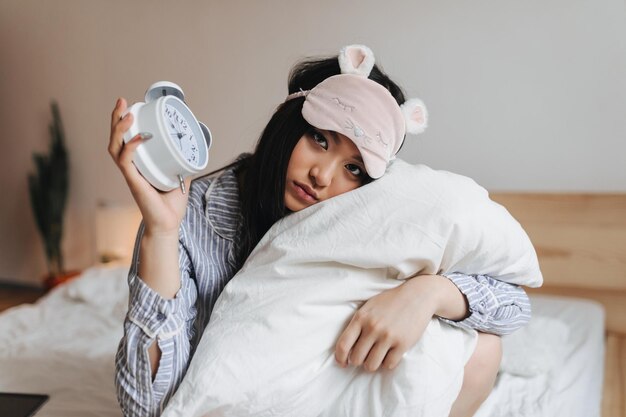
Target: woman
x,y
190,246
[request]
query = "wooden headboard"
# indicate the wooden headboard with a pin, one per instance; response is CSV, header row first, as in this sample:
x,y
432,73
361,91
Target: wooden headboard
x,y
581,243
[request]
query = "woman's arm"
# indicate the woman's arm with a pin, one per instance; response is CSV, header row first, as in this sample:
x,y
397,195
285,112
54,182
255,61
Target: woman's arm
x,y
387,325
145,383
157,313
162,275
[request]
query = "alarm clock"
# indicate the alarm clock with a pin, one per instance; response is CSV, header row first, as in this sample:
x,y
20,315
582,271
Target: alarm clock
x,y
180,144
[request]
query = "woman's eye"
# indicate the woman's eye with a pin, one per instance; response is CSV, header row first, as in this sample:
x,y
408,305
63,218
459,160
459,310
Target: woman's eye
x,y
355,170
320,140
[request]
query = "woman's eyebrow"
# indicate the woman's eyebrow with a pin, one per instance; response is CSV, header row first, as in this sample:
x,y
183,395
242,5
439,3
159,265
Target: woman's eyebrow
x,y
333,134
336,139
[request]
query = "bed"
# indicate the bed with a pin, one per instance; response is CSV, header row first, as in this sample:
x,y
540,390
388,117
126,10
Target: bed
x,y
574,347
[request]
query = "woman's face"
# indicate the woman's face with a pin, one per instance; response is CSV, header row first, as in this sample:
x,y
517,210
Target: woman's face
x,y
323,164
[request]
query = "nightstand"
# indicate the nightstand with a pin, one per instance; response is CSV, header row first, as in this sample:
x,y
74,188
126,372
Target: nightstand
x,y
12,294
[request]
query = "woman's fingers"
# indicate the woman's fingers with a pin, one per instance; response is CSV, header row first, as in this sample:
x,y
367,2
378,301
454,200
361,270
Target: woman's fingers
x,y
116,141
363,341
125,160
347,339
127,151
362,348
388,325
118,110
376,356
119,125
359,345
393,357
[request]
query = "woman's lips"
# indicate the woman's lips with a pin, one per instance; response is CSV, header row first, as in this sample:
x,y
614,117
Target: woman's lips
x,y
304,192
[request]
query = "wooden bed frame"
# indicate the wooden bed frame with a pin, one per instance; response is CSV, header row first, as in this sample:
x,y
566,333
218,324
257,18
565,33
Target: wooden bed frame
x,y
581,243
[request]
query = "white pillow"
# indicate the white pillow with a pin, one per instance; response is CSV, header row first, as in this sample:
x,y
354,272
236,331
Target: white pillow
x,y
268,349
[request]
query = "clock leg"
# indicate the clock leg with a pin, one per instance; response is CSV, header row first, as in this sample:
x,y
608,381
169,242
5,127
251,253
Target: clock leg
x,y
182,183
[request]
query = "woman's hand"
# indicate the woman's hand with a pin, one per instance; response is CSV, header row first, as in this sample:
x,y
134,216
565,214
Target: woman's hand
x,y
162,211
387,325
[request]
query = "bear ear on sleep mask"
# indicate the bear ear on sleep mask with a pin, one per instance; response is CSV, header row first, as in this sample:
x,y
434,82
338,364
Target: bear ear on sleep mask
x,y
363,110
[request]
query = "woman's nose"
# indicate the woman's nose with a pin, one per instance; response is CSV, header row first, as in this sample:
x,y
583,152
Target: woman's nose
x,y
321,175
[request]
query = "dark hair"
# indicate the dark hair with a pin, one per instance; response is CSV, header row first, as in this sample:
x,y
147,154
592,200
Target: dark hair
x,y
264,172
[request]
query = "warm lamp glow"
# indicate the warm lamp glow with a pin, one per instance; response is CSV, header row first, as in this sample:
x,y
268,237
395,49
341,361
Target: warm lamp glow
x,y
116,229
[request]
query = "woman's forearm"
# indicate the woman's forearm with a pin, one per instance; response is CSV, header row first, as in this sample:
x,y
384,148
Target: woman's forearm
x,y
158,268
448,301
145,375
158,263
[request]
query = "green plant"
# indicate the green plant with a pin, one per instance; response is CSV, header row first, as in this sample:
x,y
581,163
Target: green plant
x,y
48,192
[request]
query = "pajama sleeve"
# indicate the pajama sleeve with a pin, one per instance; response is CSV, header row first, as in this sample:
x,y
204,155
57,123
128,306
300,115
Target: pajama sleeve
x,y
494,306
152,318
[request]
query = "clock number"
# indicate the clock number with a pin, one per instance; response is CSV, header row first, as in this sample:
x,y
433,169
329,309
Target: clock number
x,y
181,130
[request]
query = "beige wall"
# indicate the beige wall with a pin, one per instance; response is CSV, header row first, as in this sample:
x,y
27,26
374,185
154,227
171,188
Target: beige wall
x,y
523,95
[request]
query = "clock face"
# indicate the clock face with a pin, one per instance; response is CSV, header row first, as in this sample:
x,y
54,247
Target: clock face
x,y
183,132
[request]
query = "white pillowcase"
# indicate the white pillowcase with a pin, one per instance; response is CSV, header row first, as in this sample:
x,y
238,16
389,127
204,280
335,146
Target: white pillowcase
x,y
269,347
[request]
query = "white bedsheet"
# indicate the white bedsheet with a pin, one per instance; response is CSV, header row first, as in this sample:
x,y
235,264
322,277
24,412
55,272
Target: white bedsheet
x,y
65,345
573,386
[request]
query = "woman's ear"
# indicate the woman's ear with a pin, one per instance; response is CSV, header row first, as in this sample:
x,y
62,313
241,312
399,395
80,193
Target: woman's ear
x,y
415,115
356,59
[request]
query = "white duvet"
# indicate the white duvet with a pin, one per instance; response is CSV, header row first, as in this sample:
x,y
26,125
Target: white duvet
x,y
269,347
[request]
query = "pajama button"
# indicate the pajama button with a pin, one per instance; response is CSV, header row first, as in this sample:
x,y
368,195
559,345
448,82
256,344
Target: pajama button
x,y
160,317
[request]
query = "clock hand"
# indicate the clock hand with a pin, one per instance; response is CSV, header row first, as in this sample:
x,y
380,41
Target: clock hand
x,y
178,136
